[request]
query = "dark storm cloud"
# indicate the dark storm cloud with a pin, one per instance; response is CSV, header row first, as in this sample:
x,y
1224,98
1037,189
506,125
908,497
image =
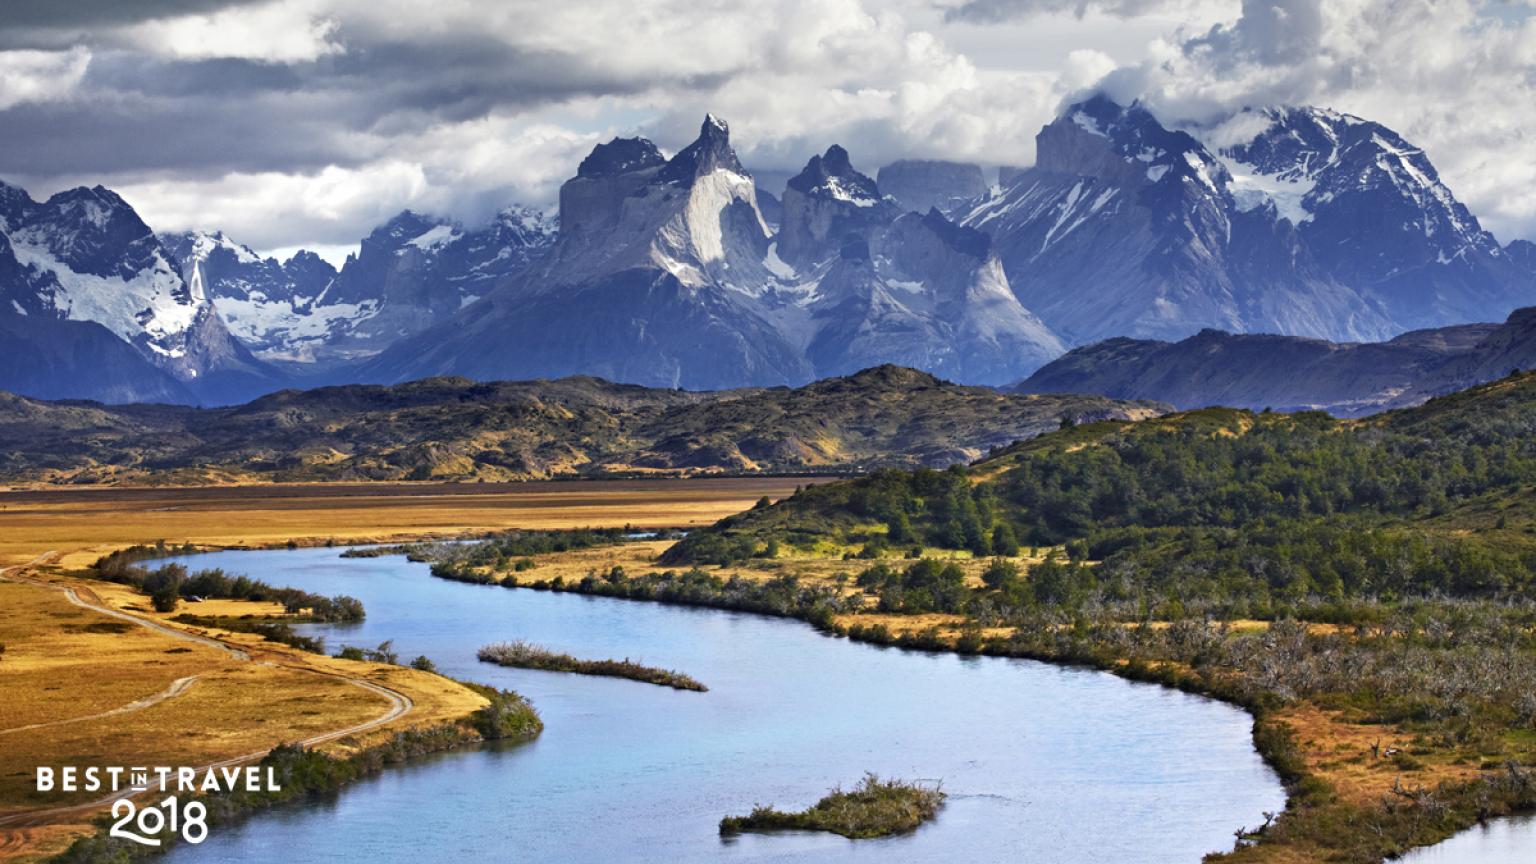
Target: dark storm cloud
x,y
138,113
94,14
224,77
51,24
463,78
194,137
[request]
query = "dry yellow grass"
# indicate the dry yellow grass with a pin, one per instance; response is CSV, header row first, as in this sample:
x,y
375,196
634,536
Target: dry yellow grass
x,y
1339,750
88,522
73,678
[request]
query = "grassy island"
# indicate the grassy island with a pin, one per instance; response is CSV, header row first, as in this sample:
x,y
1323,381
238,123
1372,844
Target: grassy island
x,y
874,808
525,655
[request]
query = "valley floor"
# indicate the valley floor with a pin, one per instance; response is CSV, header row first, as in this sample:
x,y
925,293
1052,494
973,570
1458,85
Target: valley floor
x,y
85,523
92,675
79,674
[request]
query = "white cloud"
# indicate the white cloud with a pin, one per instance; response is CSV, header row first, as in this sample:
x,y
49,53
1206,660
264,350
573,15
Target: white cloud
x,y
1446,74
286,31
269,209
40,76
410,96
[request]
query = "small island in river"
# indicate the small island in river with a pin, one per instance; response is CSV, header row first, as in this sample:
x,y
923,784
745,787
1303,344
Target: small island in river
x,y
525,655
875,808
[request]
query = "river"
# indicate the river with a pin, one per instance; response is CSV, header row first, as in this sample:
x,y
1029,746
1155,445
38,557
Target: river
x,y
1042,763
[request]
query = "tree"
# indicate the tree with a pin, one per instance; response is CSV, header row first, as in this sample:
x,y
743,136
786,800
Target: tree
x,y
1004,541
1000,575
424,664
165,599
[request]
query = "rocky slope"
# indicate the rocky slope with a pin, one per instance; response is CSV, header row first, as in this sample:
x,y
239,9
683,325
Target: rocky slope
x,y
1291,373
408,274
453,428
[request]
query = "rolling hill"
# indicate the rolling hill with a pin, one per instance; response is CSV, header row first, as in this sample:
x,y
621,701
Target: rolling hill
x,y
457,429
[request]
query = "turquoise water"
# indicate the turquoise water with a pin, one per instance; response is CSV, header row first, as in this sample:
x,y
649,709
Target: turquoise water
x,y
1041,763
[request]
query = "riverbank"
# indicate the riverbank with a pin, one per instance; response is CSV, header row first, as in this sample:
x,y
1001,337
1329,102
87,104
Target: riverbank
x,y
1328,753
309,773
81,655
1363,783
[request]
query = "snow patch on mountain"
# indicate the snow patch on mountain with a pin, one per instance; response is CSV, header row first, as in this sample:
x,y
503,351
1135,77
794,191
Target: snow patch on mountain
x,y
438,236
1286,192
151,307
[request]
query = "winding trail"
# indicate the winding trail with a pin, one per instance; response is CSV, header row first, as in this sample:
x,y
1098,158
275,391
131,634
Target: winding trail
x,y
178,687
399,704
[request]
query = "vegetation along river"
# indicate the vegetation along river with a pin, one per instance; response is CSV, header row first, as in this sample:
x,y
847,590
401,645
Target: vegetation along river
x,y
1042,763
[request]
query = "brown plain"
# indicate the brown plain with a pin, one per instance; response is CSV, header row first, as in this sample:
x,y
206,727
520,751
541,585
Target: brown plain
x,y
85,523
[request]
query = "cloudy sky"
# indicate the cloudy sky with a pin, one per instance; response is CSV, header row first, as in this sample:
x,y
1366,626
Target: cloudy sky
x,y
306,122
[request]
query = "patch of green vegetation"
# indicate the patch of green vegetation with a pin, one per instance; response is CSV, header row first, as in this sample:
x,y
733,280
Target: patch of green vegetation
x,y
525,655
873,808
168,584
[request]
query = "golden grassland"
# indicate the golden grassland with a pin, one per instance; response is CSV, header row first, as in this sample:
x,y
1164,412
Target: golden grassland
x,y
85,523
83,688
641,556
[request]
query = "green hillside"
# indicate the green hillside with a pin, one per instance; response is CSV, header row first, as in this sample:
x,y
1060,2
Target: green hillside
x,y
1224,509
1366,588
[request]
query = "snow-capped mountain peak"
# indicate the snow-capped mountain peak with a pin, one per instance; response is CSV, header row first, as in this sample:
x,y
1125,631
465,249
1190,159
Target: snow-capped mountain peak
x,y
1301,221
1305,159
102,263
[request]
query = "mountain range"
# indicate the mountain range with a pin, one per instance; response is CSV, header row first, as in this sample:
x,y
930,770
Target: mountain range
x,y
684,271
457,429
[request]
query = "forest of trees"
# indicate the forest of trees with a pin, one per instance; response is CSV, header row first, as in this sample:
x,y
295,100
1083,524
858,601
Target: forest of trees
x,y
1284,510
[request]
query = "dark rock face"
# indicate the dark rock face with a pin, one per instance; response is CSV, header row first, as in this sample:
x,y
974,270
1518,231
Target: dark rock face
x,y
1291,373
620,156
928,294
1313,224
710,152
49,358
826,205
639,326
1523,253
926,184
